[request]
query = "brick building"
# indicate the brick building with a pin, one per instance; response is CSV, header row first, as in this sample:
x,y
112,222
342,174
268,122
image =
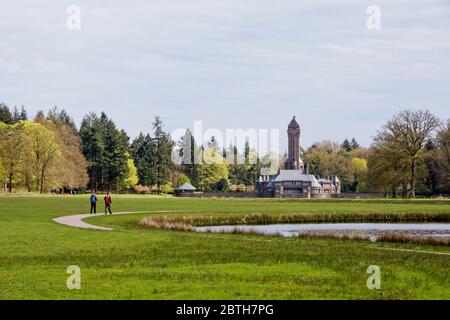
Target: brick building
x,y
294,182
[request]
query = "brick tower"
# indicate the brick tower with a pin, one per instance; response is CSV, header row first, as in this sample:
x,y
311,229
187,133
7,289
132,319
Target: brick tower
x,y
293,161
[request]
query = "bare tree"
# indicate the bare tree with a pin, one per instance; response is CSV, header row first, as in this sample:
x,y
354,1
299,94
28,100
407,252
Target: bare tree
x,y
407,133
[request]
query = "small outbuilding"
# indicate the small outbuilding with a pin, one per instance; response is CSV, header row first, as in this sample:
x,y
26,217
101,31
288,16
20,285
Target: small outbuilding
x,y
185,188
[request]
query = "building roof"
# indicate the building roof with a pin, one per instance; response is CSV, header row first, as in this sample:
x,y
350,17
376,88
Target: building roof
x,y
293,124
186,187
297,175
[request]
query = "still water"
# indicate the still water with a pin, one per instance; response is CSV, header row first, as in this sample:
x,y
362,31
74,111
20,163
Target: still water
x,y
293,230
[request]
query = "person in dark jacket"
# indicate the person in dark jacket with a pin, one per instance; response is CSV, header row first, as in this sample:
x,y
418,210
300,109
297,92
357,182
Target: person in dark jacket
x,y
108,203
93,203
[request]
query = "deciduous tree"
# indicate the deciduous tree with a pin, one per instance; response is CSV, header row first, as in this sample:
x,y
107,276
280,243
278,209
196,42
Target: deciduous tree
x,y
44,155
213,168
131,178
12,150
443,156
408,132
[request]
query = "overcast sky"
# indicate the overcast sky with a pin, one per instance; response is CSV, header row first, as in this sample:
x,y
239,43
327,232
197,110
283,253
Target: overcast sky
x,y
229,63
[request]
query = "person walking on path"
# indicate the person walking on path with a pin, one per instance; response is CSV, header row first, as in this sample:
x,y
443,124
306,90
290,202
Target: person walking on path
x,y
108,203
93,203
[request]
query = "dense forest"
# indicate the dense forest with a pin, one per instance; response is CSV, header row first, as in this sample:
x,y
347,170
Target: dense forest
x,y
410,154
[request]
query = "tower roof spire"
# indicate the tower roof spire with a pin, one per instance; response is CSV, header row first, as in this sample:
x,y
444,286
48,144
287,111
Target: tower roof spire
x,y
294,123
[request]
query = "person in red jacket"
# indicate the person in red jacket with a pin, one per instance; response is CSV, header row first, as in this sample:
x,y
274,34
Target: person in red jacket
x,y
108,203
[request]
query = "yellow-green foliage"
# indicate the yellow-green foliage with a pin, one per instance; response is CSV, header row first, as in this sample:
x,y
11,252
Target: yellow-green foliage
x,y
44,155
40,156
132,178
182,179
167,187
212,170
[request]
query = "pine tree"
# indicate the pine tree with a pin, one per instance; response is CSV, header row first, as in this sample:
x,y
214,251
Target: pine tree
x,y
144,153
354,144
93,148
60,118
252,165
346,145
190,156
233,166
164,164
5,114
23,114
115,159
150,161
15,115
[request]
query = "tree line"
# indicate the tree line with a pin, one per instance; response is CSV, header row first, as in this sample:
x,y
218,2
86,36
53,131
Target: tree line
x,y
410,154
100,157
42,154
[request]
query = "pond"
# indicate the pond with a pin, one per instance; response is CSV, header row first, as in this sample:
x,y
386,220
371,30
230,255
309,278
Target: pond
x,y
370,229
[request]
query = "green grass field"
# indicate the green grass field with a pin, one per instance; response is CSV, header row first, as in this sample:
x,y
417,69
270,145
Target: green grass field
x,y
132,262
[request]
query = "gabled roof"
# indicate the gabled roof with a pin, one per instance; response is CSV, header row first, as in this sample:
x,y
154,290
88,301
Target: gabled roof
x,y
297,175
186,187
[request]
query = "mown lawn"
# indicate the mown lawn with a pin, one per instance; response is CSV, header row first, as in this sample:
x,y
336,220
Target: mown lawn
x,y
132,262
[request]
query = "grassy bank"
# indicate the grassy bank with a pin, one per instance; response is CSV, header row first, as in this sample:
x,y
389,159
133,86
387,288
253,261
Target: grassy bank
x,y
260,218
